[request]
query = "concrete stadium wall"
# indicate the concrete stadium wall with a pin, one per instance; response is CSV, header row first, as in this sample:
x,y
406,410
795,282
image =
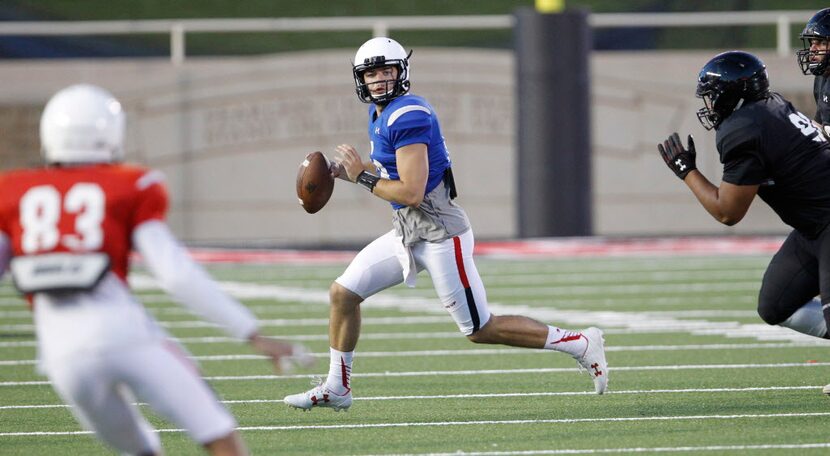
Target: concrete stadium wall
x,y
230,133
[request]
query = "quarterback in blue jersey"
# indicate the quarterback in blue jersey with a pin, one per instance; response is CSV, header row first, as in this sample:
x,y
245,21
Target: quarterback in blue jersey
x,y
407,120
410,168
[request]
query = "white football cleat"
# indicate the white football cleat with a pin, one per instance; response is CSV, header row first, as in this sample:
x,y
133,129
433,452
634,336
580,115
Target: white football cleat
x,y
826,390
593,359
319,396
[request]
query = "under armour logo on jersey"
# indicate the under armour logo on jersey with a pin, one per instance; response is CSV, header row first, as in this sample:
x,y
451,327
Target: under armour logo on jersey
x,y
377,129
680,165
825,98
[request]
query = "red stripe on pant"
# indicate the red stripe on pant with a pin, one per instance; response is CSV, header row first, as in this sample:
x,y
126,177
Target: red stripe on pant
x,y
462,274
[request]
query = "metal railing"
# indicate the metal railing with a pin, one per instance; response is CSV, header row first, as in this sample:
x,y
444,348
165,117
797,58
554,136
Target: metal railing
x,y
380,25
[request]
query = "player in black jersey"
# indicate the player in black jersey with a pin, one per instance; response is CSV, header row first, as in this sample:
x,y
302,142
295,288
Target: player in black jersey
x,y
771,150
814,59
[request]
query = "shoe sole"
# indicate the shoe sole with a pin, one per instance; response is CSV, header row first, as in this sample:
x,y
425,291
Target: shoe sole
x,y
336,409
332,407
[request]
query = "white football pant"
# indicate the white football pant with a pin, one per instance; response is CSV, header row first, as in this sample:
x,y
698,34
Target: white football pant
x,y
386,262
100,389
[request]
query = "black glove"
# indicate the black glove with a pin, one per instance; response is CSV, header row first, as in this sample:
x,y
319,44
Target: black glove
x,y
679,160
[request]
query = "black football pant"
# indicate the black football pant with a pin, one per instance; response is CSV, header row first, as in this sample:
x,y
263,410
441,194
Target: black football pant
x,y
799,271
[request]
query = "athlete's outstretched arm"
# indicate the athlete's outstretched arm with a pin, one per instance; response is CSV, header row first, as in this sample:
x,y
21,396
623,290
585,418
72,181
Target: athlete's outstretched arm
x,y
188,283
728,203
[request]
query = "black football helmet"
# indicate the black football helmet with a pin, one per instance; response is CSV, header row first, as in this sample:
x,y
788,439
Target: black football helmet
x,y
728,81
818,28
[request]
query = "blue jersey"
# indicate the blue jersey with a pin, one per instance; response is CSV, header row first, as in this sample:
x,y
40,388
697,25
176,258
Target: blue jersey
x,y
406,120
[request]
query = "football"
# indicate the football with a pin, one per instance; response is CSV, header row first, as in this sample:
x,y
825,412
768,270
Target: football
x,y
314,182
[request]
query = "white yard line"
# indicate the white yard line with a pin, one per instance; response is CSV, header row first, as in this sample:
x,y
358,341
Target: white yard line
x,y
469,423
628,275
573,318
277,322
489,395
549,370
401,335
557,292
613,320
282,309
496,351
566,278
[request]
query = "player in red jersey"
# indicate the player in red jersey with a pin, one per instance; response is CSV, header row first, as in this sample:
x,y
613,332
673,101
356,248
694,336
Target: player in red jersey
x,y
66,232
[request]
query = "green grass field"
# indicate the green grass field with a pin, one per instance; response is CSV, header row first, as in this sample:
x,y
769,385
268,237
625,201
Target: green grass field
x,y
693,369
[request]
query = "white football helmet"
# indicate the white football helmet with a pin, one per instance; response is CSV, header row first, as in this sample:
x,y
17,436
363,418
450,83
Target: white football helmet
x,y
82,124
380,52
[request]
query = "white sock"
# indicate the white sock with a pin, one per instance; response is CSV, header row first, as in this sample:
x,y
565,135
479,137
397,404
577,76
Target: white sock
x,y
339,380
570,342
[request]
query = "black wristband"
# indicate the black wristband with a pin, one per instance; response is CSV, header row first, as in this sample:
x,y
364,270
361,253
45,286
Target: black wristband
x,y
367,180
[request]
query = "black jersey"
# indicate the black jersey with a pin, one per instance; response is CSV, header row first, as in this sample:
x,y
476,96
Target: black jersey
x,y
821,91
769,143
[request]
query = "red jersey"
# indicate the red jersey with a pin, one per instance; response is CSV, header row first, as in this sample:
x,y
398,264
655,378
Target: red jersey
x,y
91,208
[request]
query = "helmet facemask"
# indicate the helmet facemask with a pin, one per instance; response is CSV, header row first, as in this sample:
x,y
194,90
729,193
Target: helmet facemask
x,y
707,115
718,100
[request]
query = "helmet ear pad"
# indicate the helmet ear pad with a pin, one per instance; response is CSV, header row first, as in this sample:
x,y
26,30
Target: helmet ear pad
x,y
726,103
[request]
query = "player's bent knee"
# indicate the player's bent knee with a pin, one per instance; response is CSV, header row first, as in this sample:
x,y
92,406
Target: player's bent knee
x,y
769,312
342,296
476,337
483,335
